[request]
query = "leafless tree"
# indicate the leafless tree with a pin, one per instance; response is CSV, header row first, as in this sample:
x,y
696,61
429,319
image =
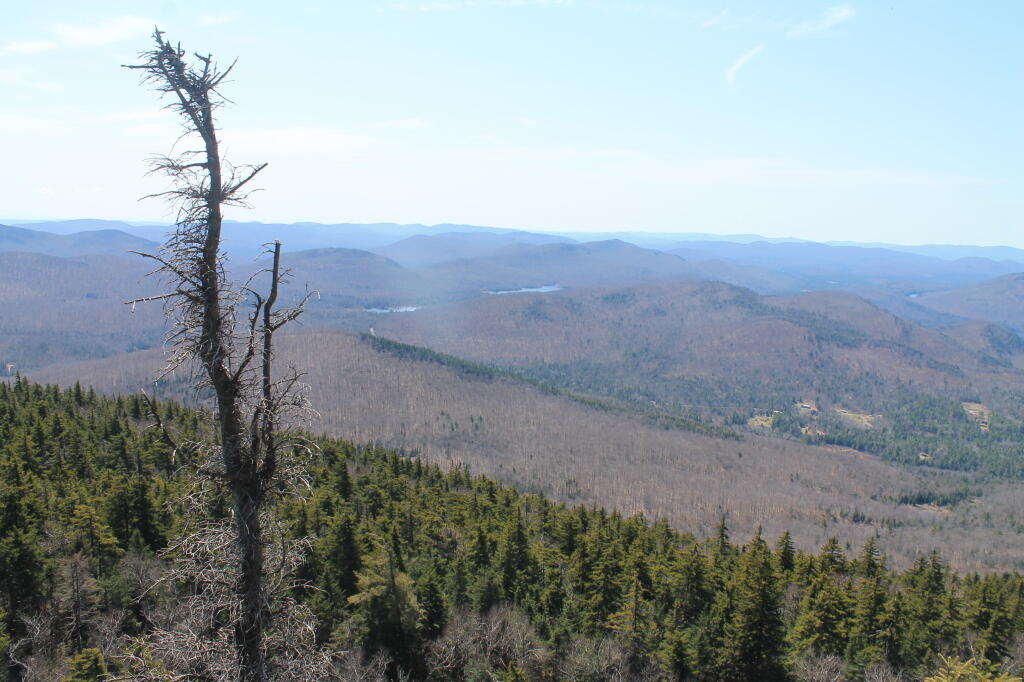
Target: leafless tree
x,y
882,672
234,351
814,667
473,645
190,631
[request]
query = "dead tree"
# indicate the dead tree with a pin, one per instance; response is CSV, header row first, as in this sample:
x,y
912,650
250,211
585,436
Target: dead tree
x,y
233,351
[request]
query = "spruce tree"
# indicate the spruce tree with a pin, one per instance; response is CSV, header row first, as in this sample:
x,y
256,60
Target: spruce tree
x,y
866,640
753,641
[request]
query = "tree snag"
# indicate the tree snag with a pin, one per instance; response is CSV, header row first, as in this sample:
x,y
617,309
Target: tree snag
x,y
235,356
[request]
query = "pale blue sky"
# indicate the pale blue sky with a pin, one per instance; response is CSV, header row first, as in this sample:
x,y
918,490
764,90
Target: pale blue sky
x,y
868,121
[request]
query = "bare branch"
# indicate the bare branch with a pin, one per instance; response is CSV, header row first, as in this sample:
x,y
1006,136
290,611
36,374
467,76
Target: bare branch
x,y
235,357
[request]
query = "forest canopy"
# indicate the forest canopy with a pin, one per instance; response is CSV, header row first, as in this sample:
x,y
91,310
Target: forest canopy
x,y
442,575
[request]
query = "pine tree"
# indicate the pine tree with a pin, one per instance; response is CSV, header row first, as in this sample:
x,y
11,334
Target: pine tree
x,y
866,645
823,623
870,561
753,637
989,618
87,666
927,609
831,559
632,619
512,558
387,609
785,554
956,670
335,561
430,596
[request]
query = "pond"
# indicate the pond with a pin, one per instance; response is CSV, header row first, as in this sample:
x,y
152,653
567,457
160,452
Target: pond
x,y
527,290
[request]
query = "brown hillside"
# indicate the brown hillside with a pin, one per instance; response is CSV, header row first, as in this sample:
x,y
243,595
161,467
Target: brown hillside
x,y
999,300
709,344
55,310
585,455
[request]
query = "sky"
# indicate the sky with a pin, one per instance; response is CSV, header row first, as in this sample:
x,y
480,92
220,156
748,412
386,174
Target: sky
x,y
896,122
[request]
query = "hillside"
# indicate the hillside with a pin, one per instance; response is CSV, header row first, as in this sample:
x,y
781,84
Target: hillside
x,y
54,310
837,267
999,300
348,278
638,462
426,250
93,242
437,574
708,345
587,264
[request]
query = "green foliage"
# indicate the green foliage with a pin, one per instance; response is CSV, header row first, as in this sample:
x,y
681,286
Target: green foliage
x,y
88,666
922,430
753,636
5,639
957,670
405,555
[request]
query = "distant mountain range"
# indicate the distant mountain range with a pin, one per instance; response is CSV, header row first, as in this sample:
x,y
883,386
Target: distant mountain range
x,y
250,236
90,242
820,266
425,250
386,265
674,375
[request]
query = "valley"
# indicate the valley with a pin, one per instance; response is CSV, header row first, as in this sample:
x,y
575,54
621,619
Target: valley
x,y
609,373
593,451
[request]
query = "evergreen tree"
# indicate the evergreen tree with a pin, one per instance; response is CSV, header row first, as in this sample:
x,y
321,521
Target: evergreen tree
x,y
988,618
823,621
87,666
866,640
512,558
785,554
753,637
388,612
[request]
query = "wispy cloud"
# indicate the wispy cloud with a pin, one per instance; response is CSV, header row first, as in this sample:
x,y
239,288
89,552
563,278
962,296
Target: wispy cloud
x,y
833,16
741,61
27,47
713,20
301,141
406,124
452,5
780,172
23,78
104,33
20,124
217,19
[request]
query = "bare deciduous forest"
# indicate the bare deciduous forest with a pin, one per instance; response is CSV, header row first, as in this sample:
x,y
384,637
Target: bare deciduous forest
x,y
590,455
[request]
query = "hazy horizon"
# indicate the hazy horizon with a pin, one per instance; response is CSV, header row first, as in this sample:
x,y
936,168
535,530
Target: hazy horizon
x,y
582,232
857,121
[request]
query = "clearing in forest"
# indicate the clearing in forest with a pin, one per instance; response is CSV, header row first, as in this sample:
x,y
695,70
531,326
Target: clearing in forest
x,y
865,421
981,414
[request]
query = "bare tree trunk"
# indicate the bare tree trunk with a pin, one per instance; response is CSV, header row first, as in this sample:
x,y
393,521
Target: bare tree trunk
x,y
203,305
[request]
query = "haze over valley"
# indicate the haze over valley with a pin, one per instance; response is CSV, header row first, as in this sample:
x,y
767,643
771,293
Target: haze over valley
x,y
666,381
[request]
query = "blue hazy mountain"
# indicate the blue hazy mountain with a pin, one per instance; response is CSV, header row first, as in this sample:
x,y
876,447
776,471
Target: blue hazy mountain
x,y
90,242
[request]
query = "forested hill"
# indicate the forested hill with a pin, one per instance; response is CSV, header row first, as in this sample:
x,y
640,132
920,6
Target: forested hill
x,y
450,576
584,450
